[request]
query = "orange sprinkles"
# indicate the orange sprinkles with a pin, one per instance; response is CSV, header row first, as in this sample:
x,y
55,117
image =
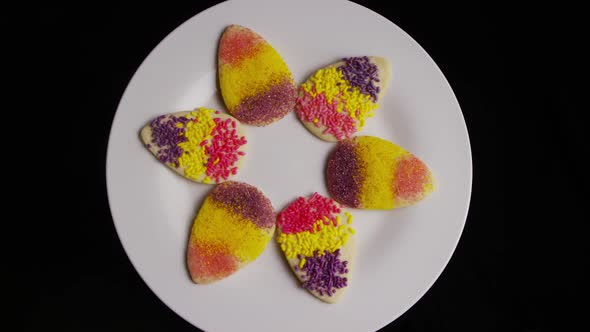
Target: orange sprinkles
x,y
410,177
211,261
235,47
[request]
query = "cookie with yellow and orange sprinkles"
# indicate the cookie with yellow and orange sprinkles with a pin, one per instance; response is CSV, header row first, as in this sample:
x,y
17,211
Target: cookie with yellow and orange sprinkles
x,y
336,101
232,228
316,238
202,145
256,84
367,172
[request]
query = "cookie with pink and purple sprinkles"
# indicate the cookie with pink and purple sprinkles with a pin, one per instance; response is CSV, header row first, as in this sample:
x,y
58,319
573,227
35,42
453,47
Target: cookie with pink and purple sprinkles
x,y
335,102
202,145
316,238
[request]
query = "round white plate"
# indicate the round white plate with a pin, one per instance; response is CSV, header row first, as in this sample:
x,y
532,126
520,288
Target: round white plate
x,y
400,253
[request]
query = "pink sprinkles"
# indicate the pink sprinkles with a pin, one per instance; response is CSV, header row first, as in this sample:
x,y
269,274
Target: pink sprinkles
x,y
223,151
323,273
318,110
302,214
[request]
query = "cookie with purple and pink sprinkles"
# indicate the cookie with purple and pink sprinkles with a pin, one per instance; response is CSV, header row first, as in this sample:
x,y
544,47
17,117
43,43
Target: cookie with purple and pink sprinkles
x,y
336,101
317,240
202,145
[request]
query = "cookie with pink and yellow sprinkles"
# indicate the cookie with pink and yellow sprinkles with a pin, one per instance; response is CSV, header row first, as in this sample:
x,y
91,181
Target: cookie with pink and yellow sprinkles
x,y
202,145
316,238
368,172
232,228
335,101
256,84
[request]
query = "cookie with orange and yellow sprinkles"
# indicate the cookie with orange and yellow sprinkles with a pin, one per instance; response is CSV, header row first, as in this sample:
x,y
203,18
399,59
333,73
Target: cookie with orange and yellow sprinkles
x,y
368,172
318,242
256,84
202,145
232,228
336,101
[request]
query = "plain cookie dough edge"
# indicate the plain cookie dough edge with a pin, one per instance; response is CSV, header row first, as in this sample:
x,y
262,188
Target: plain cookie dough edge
x,y
384,68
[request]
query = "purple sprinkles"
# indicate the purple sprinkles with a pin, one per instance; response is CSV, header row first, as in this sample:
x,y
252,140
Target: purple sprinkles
x,y
245,200
166,136
322,273
361,73
343,174
267,106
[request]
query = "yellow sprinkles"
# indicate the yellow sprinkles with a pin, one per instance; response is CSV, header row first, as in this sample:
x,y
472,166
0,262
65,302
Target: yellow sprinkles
x,y
217,225
378,158
194,159
331,82
252,76
325,237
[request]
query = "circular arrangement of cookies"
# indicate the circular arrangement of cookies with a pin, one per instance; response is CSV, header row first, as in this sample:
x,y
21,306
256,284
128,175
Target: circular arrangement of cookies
x,y
236,221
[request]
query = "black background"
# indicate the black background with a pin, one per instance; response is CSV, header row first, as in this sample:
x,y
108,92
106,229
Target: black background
x,y
512,70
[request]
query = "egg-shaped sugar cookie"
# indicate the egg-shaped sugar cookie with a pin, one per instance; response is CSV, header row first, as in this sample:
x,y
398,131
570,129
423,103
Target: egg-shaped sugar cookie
x,y
256,84
202,145
318,242
368,172
232,228
335,101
